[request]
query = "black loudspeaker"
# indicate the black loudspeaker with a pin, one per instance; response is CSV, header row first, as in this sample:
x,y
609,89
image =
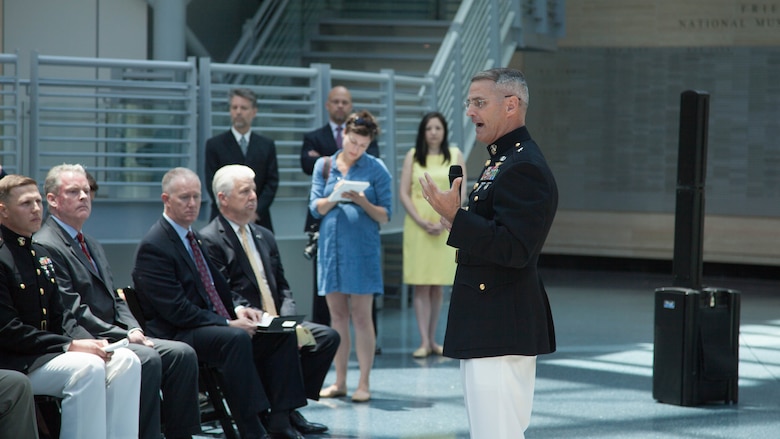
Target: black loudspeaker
x,y
689,237
696,355
692,152
691,175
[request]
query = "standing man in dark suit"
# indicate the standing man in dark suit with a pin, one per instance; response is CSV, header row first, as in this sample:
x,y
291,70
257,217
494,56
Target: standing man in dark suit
x,y
240,145
499,318
40,337
324,142
187,299
87,289
234,186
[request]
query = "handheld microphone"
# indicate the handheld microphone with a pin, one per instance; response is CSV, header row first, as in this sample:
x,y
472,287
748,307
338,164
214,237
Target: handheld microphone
x,y
455,172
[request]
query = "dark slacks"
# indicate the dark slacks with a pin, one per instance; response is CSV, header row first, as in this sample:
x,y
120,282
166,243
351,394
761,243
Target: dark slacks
x,y
172,367
259,373
17,410
319,306
316,361
279,367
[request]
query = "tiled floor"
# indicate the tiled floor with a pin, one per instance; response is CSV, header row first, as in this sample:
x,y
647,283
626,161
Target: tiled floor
x,y
598,384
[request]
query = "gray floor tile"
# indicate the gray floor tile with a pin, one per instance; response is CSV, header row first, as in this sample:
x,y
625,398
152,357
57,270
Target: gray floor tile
x,y
597,385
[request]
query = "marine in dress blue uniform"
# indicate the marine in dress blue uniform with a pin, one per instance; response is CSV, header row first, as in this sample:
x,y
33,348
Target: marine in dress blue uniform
x,y
499,317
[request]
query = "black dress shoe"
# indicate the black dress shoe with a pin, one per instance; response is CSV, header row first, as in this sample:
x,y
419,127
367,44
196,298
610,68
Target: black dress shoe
x,y
287,433
305,427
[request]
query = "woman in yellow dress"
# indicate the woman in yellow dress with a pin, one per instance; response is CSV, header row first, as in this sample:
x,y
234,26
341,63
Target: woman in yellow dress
x,y
429,263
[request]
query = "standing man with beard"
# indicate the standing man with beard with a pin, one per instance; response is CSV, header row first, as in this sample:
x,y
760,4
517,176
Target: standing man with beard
x,y
240,146
499,318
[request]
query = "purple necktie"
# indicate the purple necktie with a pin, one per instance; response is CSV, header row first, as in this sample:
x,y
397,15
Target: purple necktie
x,y
203,271
339,139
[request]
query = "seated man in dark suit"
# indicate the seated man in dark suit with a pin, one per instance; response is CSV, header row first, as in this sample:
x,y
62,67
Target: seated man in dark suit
x,y
87,289
186,299
234,188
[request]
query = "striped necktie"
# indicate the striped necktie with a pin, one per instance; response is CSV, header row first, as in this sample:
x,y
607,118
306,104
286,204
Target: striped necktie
x,y
205,277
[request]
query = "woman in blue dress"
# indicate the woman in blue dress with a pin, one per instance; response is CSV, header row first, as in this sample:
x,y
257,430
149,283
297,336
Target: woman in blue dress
x,y
349,267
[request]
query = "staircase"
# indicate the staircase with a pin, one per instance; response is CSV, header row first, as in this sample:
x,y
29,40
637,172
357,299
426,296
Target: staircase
x,y
405,36
406,46
402,41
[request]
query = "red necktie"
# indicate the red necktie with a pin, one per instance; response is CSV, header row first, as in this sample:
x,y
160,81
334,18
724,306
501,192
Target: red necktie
x,y
85,250
80,238
205,277
339,139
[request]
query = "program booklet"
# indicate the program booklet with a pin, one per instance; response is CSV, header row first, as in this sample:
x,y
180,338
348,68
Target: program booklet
x,y
346,186
279,324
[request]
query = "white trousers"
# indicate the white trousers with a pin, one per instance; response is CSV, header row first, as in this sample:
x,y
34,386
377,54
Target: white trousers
x,y
499,394
100,400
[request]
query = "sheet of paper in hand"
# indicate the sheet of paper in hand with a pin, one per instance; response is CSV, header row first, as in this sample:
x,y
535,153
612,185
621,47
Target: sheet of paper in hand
x,y
346,186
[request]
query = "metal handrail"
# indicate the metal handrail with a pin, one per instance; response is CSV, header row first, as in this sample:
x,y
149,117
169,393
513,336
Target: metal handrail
x,y
295,103
134,115
484,34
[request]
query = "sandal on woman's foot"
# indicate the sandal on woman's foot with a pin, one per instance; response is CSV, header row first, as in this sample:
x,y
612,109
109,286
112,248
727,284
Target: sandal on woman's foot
x,y
421,353
361,396
332,392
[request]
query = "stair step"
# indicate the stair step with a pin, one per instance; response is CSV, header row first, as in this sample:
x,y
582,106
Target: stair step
x,y
387,46
408,46
385,28
396,8
390,39
379,55
400,65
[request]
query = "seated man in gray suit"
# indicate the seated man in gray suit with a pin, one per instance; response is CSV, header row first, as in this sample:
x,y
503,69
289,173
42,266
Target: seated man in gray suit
x,y
234,188
87,289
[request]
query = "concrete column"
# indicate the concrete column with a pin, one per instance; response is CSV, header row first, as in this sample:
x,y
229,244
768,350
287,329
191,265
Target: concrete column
x,y
169,30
